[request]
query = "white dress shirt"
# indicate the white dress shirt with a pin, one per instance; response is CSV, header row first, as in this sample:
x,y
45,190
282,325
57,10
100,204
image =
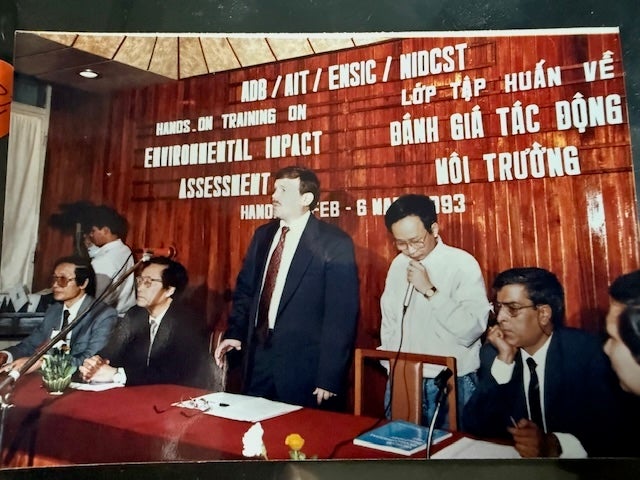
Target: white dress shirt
x,y
449,323
109,262
296,227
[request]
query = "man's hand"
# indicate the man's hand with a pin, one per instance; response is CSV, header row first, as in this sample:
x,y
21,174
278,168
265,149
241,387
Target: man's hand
x,y
506,352
97,369
531,441
3,358
223,347
18,363
322,394
418,277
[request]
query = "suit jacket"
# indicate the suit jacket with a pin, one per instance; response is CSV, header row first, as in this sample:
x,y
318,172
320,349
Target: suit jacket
x,y
315,326
90,334
179,355
581,396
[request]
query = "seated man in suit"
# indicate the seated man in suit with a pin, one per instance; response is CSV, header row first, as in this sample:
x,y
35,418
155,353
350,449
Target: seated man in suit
x,y
549,387
159,340
73,286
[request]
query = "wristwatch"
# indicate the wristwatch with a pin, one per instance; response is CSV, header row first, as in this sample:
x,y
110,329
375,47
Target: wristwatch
x,y
431,292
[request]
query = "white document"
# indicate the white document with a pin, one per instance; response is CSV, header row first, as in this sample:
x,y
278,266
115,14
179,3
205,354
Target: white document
x,y
95,387
34,300
238,407
470,448
18,295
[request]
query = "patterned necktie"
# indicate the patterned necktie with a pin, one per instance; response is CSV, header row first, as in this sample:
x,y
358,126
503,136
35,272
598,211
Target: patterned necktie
x,y
534,394
262,324
65,318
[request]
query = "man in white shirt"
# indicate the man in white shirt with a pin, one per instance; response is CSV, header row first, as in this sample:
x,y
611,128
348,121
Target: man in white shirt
x,y
446,310
112,257
549,388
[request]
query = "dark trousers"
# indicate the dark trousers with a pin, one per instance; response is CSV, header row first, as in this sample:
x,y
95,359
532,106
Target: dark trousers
x,y
261,374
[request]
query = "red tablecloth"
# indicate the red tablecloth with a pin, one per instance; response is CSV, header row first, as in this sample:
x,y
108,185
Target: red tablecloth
x,y
138,424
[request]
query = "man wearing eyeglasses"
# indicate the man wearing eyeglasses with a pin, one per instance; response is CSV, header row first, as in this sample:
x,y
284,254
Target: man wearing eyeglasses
x,y
434,301
547,387
73,284
159,340
110,257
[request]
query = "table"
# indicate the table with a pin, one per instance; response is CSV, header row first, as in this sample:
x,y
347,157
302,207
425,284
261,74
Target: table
x,y
138,424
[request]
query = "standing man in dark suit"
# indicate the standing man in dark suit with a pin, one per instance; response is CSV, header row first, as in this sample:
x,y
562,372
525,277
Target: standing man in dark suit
x,y
549,387
159,340
73,285
296,301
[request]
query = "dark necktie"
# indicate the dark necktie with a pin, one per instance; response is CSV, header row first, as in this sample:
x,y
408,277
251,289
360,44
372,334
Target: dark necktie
x,y
65,318
153,329
262,325
534,394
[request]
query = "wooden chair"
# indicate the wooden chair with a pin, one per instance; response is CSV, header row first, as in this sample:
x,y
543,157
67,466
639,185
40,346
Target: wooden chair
x,y
407,383
220,374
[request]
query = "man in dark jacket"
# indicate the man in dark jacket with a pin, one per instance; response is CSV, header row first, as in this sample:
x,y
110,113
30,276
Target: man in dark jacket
x,y
548,387
159,340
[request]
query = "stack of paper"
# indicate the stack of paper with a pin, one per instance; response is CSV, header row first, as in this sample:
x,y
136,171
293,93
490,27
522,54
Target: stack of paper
x,y
95,387
469,448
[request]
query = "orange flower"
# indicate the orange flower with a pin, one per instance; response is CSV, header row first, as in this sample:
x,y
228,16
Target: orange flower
x,y
294,441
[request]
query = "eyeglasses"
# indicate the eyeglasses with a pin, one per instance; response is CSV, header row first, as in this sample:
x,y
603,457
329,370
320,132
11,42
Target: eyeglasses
x,y
416,244
147,281
513,309
61,281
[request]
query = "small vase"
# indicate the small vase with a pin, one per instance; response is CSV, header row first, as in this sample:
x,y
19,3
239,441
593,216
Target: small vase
x,y
56,386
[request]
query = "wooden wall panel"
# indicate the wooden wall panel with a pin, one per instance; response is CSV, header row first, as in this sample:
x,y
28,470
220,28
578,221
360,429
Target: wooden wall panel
x,y
582,227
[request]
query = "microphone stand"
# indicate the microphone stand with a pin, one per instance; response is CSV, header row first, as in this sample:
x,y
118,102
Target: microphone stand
x,y
441,394
8,384
441,383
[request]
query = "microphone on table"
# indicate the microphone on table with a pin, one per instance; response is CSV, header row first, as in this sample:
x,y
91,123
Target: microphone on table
x,y
441,384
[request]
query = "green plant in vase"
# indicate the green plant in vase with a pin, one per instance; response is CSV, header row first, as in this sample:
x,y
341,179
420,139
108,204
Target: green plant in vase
x,y
57,369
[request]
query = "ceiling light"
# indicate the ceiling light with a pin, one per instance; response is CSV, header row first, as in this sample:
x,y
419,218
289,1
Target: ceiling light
x,y
88,73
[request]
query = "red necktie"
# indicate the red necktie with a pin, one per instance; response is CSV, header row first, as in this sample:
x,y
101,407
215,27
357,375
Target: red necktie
x,y
262,325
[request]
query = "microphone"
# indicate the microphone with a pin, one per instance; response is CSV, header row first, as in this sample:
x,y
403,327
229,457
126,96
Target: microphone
x,y
407,298
148,252
441,381
441,384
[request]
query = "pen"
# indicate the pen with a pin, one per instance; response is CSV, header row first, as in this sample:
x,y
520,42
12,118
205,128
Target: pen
x,y
513,422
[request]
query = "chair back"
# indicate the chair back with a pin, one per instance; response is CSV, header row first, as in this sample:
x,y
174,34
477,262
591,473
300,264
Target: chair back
x,y
219,374
406,398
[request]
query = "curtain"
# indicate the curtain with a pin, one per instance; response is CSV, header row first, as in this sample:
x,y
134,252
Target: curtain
x,y
25,169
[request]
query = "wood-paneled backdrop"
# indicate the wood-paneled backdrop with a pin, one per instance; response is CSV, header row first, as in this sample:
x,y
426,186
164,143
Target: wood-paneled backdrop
x,y
581,226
